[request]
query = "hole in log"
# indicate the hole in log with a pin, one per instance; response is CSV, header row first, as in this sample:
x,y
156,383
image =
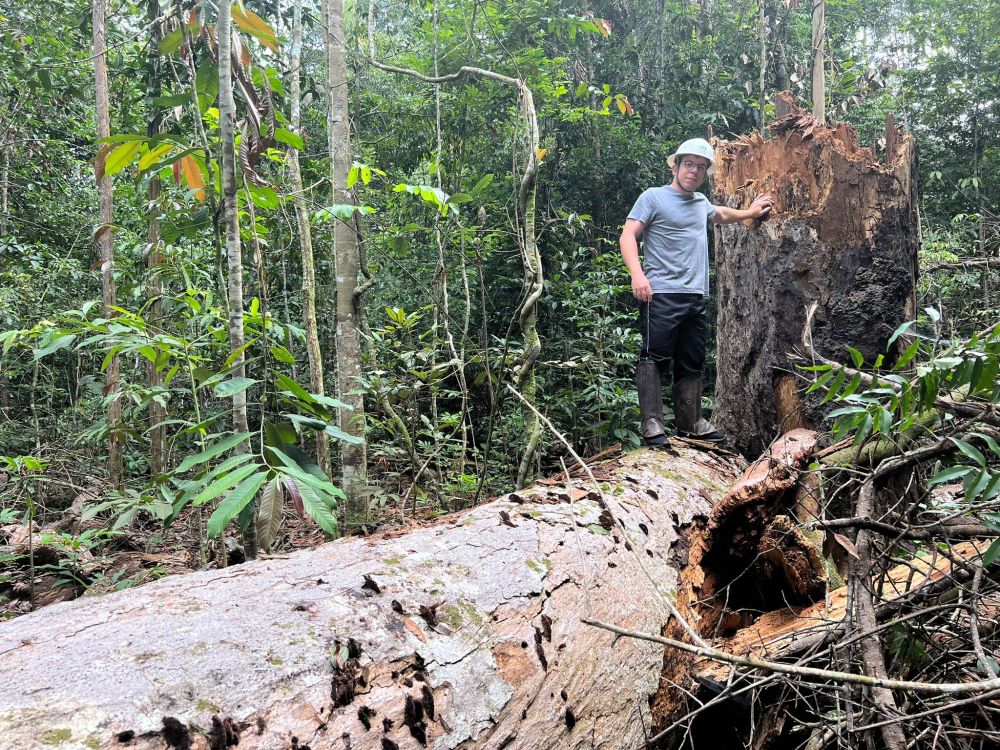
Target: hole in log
x,y
748,558
757,563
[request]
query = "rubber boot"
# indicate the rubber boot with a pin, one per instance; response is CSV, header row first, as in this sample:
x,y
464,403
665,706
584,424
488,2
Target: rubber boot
x,y
687,411
647,380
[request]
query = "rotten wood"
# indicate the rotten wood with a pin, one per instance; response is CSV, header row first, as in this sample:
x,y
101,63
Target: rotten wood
x,y
843,234
790,631
723,554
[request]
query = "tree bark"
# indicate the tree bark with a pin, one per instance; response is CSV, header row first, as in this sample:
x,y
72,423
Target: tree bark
x,y
843,234
305,239
819,61
234,250
465,633
105,243
154,289
4,189
354,471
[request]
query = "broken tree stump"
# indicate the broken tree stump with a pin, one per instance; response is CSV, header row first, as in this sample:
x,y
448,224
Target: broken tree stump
x,y
843,234
465,633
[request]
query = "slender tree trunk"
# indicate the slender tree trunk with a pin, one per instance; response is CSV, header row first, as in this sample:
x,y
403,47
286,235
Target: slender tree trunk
x,y
5,188
154,289
105,243
818,75
354,472
234,252
207,147
778,21
305,239
441,274
533,285
762,83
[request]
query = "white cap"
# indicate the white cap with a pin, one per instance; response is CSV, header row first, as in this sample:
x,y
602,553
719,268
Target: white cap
x,y
695,147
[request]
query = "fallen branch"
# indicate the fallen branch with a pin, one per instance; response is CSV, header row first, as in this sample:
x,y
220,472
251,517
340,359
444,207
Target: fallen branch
x,y
811,674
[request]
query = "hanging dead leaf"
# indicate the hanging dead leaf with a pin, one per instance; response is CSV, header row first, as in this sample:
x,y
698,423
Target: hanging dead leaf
x,y
192,175
848,545
102,158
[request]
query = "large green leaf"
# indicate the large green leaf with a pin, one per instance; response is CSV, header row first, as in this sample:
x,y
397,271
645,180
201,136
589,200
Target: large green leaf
x,y
207,84
222,484
294,470
294,389
171,42
155,154
992,554
121,156
232,386
317,508
970,450
235,502
54,344
289,138
949,474
338,434
212,451
270,513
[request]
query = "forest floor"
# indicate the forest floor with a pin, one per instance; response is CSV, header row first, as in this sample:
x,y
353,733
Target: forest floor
x,y
74,555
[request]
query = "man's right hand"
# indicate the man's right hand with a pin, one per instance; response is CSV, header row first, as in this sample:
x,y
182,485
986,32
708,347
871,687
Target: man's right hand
x,y
641,288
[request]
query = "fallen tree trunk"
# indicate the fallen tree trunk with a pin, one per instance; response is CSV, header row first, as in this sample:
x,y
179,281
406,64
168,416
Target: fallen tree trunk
x,y
466,633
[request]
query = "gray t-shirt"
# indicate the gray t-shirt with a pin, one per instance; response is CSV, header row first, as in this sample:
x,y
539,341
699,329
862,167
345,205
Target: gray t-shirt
x,y
675,240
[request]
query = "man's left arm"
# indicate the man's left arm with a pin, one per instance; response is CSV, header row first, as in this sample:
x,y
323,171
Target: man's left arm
x,y
760,208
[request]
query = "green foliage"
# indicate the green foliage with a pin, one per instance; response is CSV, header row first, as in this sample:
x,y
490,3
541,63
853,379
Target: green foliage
x,y
616,90
933,391
197,371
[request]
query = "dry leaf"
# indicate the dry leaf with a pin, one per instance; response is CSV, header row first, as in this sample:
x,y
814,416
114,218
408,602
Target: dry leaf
x,y
102,158
415,629
848,545
192,175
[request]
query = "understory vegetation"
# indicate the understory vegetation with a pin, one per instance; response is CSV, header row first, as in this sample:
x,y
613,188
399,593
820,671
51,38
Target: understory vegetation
x,y
318,299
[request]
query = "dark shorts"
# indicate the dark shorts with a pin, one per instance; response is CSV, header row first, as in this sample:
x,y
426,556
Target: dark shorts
x,y
674,329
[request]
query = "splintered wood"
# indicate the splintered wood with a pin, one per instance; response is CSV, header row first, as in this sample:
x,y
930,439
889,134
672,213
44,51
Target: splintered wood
x,y
843,235
791,630
819,174
726,545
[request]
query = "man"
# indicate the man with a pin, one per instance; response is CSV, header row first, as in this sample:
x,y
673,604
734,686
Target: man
x,y
671,287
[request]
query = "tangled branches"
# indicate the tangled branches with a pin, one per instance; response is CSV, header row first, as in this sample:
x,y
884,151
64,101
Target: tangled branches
x,y
896,647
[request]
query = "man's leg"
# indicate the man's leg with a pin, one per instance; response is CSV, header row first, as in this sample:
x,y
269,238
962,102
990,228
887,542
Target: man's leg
x,y
658,321
650,387
689,361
